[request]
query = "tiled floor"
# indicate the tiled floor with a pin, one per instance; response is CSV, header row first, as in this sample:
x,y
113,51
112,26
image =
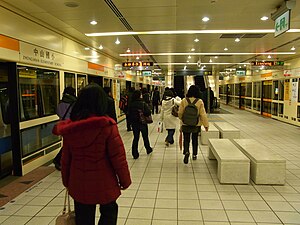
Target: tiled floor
x,y
166,191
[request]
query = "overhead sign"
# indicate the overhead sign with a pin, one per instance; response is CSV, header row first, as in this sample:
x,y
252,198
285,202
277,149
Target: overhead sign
x,y
193,73
267,63
137,64
240,71
146,73
282,23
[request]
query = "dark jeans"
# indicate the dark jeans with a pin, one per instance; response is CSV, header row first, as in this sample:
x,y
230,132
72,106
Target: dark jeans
x,y
170,137
186,142
137,128
85,214
155,106
57,158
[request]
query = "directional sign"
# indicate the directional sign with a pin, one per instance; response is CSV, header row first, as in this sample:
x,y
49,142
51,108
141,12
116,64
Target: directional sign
x,y
136,64
282,23
267,63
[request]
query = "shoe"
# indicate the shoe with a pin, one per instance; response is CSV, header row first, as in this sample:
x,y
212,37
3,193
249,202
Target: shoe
x,y
57,165
167,143
149,151
186,158
136,156
129,129
194,157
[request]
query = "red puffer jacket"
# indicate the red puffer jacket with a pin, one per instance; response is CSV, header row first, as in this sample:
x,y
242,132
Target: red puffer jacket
x,y
94,166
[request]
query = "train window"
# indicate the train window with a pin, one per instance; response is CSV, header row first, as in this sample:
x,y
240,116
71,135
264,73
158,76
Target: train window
x,y
38,92
81,82
38,137
69,79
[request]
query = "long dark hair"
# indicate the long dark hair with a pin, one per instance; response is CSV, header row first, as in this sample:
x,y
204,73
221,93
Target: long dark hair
x,y
193,91
92,100
136,95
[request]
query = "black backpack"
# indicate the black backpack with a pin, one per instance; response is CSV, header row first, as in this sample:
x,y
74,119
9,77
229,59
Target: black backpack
x,y
190,115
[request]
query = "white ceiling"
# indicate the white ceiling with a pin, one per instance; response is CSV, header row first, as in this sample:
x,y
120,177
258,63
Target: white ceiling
x,y
158,15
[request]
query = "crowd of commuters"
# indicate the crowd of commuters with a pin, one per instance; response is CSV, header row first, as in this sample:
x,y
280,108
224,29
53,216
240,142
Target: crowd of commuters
x,y
93,152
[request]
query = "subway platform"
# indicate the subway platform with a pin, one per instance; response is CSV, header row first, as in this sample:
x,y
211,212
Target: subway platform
x,y
165,191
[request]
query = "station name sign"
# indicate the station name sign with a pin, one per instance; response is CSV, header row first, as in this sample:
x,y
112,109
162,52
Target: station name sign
x,y
136,64
267,63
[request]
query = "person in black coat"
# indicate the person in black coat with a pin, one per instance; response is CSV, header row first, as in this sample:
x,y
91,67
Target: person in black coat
x,y
155,100
137,104
111,109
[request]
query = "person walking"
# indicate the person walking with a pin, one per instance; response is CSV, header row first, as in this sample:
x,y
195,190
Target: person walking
x,y
155,100
94,165
111,109
192,114
169,120
63,111
137,105
126,110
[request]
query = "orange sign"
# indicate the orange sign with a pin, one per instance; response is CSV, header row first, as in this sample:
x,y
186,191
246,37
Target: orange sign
x,y
95,67
9,43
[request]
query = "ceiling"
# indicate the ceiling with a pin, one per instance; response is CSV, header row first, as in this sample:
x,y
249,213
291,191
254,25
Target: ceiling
x,y
170,15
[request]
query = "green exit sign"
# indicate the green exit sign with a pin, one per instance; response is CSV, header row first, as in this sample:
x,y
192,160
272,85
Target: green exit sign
x,y
282,23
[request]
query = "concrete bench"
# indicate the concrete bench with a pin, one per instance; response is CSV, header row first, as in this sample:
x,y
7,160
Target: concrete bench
x,y
233,165
227,130
266,167
212,132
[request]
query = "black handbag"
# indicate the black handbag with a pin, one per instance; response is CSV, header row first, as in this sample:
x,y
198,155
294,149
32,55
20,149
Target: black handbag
x,y
144,119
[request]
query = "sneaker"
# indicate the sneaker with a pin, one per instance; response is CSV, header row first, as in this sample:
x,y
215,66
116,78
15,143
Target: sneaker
x,y
136,156
194,157
149,151
186,158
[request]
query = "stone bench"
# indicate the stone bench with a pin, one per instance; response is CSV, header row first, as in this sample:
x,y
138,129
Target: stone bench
x,y
266,167
227,130
212,132
233,165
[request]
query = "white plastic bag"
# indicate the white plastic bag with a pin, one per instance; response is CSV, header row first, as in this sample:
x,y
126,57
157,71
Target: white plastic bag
x,y
160,127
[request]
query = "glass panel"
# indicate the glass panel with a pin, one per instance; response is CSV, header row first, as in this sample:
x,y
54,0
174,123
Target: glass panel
x,y
248,103
69,80
281,89
298,111
107,82
37,137
298,90
280,110
275,90
267,90
275,109
38,92
249,90
237,89
81,82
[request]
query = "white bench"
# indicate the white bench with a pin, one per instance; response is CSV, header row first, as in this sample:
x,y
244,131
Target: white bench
x,y
212,132
265,166
227,130
233,165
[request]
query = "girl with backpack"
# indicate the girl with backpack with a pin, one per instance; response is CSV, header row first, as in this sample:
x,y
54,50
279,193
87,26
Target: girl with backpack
x,y
192,114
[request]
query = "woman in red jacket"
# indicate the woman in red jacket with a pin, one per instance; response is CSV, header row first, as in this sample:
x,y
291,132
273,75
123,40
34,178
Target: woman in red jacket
x,y
94,166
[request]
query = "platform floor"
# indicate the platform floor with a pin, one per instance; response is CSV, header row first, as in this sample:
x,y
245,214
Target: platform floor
x,y
167,192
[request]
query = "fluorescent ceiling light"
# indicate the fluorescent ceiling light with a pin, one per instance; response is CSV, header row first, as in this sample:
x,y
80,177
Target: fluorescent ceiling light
x,y
208,53
205,19
257,31
264,18
86,48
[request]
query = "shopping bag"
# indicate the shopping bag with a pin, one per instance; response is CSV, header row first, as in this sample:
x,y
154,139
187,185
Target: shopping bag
x,y
67,217
160,127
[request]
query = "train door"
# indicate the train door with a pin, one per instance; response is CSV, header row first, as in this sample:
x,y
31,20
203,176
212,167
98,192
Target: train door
x,y
5,131
266,98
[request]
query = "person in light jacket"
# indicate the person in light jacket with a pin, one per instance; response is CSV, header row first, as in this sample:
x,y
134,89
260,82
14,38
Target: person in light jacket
x,y
193,93
170,122
94,165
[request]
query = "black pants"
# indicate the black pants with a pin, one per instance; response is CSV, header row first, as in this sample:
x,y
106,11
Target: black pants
x,y
137,128
186,142
85,214
170,137
57,158
128,124
155,106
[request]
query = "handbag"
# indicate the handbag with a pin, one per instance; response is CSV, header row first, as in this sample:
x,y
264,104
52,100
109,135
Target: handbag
x,y
67,217
144,119
175,109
